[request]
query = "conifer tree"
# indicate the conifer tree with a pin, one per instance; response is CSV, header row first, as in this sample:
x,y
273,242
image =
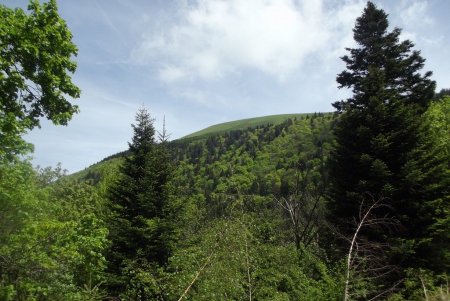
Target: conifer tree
x,y
142,224
378,129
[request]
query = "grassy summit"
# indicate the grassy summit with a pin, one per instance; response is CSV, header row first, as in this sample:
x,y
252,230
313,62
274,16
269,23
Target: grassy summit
x,y
243,124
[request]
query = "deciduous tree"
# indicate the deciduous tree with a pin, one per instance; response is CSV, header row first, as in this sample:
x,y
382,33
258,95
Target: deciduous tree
x,y
36,60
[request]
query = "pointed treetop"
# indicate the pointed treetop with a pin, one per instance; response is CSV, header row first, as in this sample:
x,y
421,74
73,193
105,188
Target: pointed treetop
x,y
371,25
144,131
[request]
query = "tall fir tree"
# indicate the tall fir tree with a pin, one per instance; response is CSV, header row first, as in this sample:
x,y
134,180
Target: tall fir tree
x,y
378,132
142,230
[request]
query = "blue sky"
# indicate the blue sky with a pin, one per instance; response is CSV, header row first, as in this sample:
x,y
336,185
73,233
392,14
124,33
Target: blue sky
x,y
204,62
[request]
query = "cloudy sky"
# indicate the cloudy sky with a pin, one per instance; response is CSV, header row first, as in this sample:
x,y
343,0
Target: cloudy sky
x,y
204,62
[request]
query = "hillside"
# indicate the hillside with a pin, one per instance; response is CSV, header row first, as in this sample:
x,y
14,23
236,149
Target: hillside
x,y
112,162
243,124
259,161
252,212
230,184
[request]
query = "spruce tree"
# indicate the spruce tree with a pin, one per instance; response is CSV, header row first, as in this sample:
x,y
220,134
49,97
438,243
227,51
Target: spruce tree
x,y
142,229
377,132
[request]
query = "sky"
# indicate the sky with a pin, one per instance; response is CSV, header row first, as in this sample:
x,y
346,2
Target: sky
x,y
201,62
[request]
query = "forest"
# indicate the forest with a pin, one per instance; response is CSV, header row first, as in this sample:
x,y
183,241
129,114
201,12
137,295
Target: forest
x,y
346,205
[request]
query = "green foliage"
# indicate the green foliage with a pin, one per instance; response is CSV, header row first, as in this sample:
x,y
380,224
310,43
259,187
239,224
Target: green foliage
x,y
237,238
52,231
37,49
11,142
241,216
35,66
101,174
429,175
252,161
378,133
241,213
235,235
227,260
442,93
423,285
242,125
143,215
53,236
232,224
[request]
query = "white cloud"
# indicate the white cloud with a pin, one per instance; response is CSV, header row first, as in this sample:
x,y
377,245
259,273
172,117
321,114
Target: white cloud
x,y
215,38
414,13
201,97
171,73
415,20
341,21
195,95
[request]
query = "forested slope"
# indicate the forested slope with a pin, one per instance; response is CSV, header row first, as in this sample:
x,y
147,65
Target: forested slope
x,y
214,141
233,187
262,154
243,124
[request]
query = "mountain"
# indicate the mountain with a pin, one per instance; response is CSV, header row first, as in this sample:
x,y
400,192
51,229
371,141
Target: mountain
x,y
110,164
257,157
261,161
233,181
243,124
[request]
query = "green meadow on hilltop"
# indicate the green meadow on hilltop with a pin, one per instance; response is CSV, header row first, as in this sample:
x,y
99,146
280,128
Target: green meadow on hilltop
x,y
243,124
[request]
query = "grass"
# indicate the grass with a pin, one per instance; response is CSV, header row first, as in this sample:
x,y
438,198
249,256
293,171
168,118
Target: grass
x,y
243,124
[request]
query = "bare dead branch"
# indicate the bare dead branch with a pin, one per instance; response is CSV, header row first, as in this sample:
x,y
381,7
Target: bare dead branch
x,y
365,258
